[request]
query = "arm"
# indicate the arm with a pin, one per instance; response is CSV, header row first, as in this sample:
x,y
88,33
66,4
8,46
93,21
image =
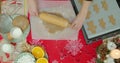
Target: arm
x,y
32,7
77,23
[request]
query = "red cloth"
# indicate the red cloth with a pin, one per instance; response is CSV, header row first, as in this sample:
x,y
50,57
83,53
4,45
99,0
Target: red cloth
x,y
57,53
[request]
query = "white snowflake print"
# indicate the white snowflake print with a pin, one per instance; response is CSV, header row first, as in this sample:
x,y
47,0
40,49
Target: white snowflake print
x,y
36,42
74,47
54,61
92,60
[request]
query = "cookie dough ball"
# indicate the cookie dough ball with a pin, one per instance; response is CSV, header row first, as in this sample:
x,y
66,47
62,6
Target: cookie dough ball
x,y
21,21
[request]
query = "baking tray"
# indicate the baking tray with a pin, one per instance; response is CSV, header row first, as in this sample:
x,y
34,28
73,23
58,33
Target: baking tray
x,y
110,30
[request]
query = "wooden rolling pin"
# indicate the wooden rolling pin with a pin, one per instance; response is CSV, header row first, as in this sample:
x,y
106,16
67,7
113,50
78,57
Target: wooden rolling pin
x,y
54,19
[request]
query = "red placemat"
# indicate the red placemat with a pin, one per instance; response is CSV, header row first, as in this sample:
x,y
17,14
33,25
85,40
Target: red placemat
x,y
63,51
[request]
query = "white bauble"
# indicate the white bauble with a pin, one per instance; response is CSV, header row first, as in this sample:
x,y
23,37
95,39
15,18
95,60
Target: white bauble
x,y
7,48
111,45
16,32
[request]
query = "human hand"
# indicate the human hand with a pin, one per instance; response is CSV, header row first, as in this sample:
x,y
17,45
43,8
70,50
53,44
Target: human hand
x,y
77,24
80,18
32,8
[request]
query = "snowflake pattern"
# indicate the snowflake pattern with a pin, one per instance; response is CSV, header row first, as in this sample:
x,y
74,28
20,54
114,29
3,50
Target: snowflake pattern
x,y
74,47
36,42
92,60
54,61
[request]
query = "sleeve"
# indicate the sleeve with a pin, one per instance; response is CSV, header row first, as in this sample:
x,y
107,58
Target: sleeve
x,y
89,0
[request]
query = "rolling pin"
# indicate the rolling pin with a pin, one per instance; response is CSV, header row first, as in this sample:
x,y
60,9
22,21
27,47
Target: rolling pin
x,y
54,19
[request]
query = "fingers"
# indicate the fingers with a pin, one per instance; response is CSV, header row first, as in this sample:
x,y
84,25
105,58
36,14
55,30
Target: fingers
x,y
73,25
76,26
33,13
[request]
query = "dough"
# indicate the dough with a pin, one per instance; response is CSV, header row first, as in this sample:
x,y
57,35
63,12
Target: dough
x,y
81,1
21,22
104,5
91,27
88,15
52,28
96,8
54,19
102,23
112,19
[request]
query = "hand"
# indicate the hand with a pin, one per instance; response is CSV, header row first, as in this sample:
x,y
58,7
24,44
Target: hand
x,y
32,7
77,24
80,18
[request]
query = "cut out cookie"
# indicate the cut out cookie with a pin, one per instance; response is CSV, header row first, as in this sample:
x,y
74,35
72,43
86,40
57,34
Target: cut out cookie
x,y
91,27
81,1
96,9
88,15
112,20
102,23
104,5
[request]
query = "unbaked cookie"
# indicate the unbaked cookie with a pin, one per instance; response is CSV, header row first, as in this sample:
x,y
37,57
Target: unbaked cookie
x,y
112,19
104,5
91,27
96,8
81,1
88,15
102,23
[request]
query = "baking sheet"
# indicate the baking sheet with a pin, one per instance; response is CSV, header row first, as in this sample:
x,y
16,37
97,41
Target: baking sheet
x,y
61,7
113,9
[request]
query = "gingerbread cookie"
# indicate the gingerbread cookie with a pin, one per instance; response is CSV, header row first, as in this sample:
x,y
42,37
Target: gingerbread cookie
x,y
96,8
21,22
81,1
91,27
104,5
112,19
88,15
102,23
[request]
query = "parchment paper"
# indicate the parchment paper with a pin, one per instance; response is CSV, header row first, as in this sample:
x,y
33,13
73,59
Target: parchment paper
x,y
61,7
